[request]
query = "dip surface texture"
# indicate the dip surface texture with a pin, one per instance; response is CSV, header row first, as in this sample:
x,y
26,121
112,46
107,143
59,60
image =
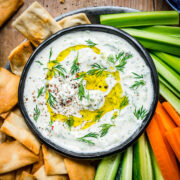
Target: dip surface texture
x,y
88,91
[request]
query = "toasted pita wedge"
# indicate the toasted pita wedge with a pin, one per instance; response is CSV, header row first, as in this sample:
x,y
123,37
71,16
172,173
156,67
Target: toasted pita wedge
x,y
8,90
17,111
8,8
21,170
26,176
36,24
4,115
79,170
53,162
8,176
15,126
14,155
19,56
74,20
40,174
38,164
2,137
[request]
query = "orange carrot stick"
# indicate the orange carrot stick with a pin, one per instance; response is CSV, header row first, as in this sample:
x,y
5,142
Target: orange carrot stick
x,y
173,138
164,119
172,112
167,165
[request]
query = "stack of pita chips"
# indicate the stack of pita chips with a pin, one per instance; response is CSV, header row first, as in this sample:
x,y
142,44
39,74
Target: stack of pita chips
x,y
22,156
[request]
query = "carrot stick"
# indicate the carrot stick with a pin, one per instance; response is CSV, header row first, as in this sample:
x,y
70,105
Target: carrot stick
x,y
172,112
168,168
164,119
173,137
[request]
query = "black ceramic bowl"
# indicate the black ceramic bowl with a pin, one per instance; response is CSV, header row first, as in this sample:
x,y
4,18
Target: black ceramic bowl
x,y
138,132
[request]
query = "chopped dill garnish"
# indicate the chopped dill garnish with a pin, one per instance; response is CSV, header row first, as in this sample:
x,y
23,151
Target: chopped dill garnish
x,y
120,54
97,69
50,123
50,53
88,96
124,102
137,76
70,122
98,116
90,43
36,113
58,69
123,62
81,91
114,116
105,129
137,84
39,62
111,59
140,113
75,65
81,76
51,99
91,134
40,91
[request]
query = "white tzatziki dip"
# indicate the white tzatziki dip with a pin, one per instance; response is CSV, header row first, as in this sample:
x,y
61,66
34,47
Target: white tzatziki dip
x,y
88,91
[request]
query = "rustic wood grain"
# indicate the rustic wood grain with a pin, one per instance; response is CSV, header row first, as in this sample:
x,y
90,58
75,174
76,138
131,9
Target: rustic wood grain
x,y
10,38
160,5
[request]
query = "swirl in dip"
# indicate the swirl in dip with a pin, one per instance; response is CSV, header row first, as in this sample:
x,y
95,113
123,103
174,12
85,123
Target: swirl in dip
x,y
88,91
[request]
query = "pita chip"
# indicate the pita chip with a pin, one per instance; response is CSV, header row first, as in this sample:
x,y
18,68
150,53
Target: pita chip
x,y
36,24
15,126
53,162
26,176
19,56
38,164
8,8
40,174
8,176
14,155
21,170
4,115
74,20
8,90
79,170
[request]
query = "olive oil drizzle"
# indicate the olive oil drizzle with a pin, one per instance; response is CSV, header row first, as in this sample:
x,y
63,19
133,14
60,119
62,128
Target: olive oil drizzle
x,y
112,100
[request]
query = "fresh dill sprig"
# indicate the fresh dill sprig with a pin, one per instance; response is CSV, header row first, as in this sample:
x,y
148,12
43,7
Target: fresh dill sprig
x,y
40,91
137,84
97,69
58,69
91,134
113,59
137,76
36,113
98,116
88,96
105,129
124,102
123,62
75,66
81,91
120,54
81,76
50,53
140,113
90,43
50,123
39,62
51,99
70,122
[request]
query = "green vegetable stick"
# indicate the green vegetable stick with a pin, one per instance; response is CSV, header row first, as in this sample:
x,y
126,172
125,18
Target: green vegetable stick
x,y
161,79
170,97
168,30
167,73
173,61
155,41
140,18
108,167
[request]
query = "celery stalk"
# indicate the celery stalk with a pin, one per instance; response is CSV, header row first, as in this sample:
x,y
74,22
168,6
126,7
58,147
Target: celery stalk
x,y
167,73
155,41
140,18
170,97
168,30
173,61
168,86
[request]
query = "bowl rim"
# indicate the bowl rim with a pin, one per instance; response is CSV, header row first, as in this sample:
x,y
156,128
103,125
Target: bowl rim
x,y
129,141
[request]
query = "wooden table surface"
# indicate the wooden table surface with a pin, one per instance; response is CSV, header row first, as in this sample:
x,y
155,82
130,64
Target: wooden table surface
x,y
10,38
